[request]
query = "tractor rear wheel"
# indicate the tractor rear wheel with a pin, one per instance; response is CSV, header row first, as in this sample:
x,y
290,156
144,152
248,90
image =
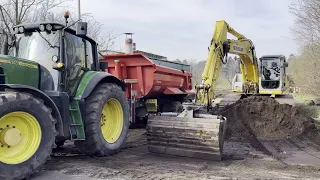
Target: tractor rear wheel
x,y
107,121
27,133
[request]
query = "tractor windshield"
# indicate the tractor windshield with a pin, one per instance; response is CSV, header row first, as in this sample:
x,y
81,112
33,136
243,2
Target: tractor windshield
x,y
39,47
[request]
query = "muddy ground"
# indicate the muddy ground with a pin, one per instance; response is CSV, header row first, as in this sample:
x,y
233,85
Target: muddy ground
x,y
242,160
264,140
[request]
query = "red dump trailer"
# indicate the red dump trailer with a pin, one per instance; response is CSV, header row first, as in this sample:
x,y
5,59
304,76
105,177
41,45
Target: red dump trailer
x,y
152,85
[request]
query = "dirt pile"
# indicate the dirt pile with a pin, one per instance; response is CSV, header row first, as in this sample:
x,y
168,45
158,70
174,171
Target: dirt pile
x,y
266,119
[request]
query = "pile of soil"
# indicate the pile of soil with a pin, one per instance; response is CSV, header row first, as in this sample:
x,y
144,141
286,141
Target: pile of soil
x,y
265,119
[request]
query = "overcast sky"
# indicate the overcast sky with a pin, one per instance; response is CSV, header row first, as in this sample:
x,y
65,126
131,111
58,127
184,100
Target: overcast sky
x,y
183,28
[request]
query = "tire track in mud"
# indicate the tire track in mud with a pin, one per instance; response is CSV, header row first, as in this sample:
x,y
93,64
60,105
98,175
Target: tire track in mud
x,y
136,138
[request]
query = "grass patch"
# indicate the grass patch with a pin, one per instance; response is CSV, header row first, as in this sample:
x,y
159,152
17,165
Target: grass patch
x,y
301,101
312,111
303,98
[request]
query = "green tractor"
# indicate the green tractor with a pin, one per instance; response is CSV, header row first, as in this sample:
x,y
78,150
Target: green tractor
x,y
52,89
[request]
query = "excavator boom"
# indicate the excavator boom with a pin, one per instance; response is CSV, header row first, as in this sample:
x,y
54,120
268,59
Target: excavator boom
x,y
219,48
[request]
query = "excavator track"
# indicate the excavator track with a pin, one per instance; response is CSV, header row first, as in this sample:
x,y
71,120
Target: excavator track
x,y
200,137
285,99
228,100
295,151
234,97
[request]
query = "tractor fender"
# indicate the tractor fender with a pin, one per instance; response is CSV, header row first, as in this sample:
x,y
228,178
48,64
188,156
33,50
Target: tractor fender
x,y
39,94
91,79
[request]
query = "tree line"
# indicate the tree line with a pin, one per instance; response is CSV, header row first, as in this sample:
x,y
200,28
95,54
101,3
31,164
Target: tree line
x,y
304,66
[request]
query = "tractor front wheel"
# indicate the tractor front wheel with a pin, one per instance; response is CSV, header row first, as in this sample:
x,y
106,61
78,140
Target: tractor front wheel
x,y
27,133
107,121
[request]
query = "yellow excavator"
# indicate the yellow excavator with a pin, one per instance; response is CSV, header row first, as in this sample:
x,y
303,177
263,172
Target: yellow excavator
x,y
196,132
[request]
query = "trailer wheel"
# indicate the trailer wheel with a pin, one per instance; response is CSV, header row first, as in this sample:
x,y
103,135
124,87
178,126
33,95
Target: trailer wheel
x,y
174,106
27,133
107,121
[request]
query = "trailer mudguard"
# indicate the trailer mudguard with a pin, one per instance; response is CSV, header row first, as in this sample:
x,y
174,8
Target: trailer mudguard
x,y
41,95
90,80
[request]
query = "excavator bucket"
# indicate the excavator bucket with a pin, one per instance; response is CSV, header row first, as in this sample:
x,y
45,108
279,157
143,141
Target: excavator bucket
x,y
198,136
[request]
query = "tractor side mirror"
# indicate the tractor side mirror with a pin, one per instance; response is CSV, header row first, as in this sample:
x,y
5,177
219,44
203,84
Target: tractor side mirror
x,y
103,65
285,64
81,28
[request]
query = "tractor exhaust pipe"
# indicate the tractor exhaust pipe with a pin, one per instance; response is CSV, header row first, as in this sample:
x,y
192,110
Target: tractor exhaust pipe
x,y
5,46
79,10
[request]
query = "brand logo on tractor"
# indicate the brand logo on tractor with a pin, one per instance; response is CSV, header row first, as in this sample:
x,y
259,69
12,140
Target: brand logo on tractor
x,y
238,48
19,63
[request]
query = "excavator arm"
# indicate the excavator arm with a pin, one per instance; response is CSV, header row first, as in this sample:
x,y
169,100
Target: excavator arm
x,y
219,48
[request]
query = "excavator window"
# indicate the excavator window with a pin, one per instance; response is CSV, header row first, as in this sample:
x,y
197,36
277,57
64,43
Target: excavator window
x,y
270,78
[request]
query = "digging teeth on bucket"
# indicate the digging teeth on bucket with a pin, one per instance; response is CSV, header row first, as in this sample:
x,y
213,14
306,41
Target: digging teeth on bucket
x,y
201,136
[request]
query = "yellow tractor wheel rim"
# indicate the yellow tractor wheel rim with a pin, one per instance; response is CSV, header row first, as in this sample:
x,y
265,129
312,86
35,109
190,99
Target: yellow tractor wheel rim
x,y
112,120
20,137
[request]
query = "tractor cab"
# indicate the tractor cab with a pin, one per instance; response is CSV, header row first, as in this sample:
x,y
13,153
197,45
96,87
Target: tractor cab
x,y
62,53
273,71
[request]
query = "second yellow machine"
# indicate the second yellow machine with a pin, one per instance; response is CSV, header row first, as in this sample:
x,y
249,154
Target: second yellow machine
x,y
196,132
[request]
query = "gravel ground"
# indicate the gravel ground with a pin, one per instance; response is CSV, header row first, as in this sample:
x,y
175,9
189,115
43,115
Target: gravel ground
x,y
242,160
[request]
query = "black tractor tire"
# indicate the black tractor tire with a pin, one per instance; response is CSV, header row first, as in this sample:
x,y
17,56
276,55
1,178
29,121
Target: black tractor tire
x,y
95,144
174,106
15,101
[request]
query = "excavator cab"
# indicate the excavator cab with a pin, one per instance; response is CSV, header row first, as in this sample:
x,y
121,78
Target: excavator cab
x,y
272,79
272,74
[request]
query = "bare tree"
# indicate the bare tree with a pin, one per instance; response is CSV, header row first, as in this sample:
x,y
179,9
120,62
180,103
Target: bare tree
x,y
15,12
49,10
105,40
307,23
25,11
304,67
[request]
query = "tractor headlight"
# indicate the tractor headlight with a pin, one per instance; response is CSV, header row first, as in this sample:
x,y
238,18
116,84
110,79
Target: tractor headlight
x,y
21,29
41,27
16,30
55,58
48,27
